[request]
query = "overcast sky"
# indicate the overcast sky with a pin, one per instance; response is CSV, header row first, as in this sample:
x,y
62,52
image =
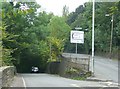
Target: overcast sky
x,y
56,6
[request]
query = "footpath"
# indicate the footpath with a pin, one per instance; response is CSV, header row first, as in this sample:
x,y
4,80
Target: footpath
x,y
18,81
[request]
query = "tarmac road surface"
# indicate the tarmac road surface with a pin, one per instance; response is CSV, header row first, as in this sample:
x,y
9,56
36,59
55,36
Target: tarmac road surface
x,y
104,68
48,80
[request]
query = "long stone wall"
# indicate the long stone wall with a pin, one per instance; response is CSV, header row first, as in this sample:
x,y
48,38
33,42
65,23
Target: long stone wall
x,y
0,78
6,75
81,64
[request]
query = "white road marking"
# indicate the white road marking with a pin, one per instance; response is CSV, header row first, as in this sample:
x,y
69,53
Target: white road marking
x,y
74,85
24,84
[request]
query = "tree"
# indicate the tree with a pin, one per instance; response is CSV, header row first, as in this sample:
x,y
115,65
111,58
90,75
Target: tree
x,y
26,35
59,33
65,11
83,17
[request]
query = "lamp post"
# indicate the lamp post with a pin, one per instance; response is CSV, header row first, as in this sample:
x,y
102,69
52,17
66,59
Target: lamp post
x,y
110,50
93,23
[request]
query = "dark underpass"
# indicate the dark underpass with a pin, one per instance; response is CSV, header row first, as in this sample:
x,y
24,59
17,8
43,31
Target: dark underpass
x,y
26,65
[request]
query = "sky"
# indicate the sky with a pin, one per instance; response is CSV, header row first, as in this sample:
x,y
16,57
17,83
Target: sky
x,y
56,6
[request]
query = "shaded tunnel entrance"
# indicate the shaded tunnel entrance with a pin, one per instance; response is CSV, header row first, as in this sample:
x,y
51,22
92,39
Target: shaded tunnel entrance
x,y
27,62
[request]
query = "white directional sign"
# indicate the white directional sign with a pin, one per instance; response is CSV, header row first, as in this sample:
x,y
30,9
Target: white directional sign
x,y
77,37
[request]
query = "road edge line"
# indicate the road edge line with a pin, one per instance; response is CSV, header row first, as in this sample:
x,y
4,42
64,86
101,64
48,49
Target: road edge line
x,y
74,85
24,84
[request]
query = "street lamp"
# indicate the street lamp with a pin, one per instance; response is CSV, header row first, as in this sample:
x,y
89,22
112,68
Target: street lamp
x,y
110,52
93,25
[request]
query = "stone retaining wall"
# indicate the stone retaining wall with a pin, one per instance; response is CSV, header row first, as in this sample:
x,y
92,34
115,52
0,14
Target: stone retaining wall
x,y
6,75
0,78
81,64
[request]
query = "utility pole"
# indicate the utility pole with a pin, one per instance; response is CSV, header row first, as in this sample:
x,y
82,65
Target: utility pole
x,y
111,37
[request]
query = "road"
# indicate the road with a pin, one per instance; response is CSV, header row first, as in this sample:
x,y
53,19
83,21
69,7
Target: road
x,y
47,80
104,68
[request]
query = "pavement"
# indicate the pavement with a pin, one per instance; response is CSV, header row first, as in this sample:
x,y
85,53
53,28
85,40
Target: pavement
x,y
18,81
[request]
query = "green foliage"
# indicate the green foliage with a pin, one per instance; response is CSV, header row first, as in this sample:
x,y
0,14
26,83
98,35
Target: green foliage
x,y
31,39
102,26
77,74
65,12
83,77
6,57
27,35
59,32
0,45
5,53
73,16
22,38
71,71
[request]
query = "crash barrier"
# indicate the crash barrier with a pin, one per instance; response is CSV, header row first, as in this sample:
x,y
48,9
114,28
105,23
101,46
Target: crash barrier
x,y
6,75
69,62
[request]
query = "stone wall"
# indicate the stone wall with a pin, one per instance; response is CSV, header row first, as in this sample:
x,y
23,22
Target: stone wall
x,y
53,68
6,75
82,64
0,78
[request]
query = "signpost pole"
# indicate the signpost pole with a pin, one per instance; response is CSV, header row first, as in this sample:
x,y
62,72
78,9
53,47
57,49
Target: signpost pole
x,y
76,43
76,48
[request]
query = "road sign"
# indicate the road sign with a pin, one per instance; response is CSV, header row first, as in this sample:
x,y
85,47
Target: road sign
x,y
77,37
